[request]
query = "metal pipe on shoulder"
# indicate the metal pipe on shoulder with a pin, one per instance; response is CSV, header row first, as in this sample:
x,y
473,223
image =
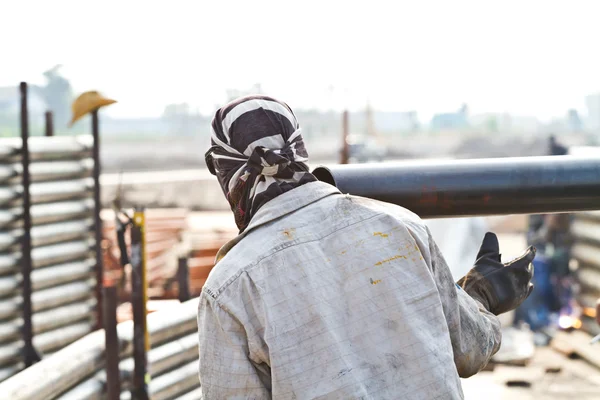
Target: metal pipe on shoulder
x,y
454,188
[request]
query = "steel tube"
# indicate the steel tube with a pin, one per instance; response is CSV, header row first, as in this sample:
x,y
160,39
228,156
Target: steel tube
x,y
167,356
434,189
9,371
195,394
173,383
49,148
59,295
61,337
48,320
161,359
61,253
47,298
59,274
45,171
70,366
44,235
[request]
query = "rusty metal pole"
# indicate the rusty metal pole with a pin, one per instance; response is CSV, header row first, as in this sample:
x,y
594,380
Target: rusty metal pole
x,y
30,355
49,124
141,342
113,378
345,132
183,279
97,220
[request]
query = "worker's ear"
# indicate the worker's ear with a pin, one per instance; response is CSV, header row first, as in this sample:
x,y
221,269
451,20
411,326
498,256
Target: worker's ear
x,y
489,247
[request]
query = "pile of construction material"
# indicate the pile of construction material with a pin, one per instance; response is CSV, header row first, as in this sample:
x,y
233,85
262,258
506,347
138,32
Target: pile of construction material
x,y
172,234
586,250
163,232
63,295
77,371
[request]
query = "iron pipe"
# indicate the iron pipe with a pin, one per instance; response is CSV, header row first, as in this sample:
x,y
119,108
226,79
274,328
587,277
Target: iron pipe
x,y
48,170
63,273
195,394
48,148
61,337
457,188
71,366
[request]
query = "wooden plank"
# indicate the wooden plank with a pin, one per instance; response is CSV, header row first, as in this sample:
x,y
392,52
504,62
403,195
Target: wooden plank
x,y
561,344
578,343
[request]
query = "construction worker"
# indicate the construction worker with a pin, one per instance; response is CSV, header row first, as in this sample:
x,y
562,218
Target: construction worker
x,y
331,296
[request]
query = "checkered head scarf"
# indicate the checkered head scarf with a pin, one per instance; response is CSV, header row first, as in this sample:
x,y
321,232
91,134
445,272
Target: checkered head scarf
x,y
257,154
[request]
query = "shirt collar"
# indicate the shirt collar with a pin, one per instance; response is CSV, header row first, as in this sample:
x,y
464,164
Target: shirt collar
x,y
284,204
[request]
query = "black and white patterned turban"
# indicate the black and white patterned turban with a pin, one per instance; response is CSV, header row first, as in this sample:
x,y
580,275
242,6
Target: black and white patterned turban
x,y
257,154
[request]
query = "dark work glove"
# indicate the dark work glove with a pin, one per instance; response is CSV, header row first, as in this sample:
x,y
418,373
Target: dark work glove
x,y
499,287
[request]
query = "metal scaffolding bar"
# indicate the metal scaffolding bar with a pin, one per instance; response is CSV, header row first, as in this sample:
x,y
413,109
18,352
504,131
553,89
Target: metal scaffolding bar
x,y
113,383
453,188
183,279
49,130
97,219
139,297
30,355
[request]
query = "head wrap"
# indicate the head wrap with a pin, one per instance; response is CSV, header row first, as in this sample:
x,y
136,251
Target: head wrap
x,y
257,154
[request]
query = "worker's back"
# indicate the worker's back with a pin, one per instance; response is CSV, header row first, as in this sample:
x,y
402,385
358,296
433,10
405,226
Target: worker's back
x,y
334,300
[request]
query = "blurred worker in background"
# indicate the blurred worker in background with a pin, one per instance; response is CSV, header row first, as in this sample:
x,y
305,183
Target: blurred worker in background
x,y
327,295
550,234
556,149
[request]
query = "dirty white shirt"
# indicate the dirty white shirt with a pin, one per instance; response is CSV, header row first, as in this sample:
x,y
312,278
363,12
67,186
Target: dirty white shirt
x,y
330,296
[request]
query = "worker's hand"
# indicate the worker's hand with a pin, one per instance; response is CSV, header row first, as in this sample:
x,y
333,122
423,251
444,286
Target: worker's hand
x,y
499,287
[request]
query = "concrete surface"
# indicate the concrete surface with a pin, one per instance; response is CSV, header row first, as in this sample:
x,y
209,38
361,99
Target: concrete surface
x,y
576,380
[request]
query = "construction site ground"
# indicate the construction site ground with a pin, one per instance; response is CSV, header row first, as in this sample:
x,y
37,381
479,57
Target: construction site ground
x,y
549,375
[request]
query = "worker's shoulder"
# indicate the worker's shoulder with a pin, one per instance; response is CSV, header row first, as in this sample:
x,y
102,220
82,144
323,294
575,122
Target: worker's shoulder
x,y
306,226
400,214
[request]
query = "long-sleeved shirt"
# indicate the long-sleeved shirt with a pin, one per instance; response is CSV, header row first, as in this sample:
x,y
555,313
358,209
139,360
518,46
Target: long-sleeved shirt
x,y
331,296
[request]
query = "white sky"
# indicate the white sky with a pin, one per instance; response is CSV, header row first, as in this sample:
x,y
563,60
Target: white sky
x,y
526,57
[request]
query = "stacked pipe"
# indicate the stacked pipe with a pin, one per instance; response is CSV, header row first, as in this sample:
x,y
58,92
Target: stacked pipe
x,y
62,279
586,250
76,372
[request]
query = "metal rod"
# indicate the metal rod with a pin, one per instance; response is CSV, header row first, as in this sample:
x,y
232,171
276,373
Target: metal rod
x,y
183,279
30,355
141,343
113,377
49,124
97,219
345,156
499,186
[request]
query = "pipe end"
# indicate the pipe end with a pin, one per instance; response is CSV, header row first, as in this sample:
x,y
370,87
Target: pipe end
x,y
324,174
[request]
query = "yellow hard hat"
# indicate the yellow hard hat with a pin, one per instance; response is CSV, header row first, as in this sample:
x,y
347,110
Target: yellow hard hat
x,y
88,102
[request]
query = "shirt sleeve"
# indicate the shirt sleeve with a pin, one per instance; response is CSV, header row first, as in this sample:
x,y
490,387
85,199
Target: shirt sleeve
x,y
226,370
474,331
